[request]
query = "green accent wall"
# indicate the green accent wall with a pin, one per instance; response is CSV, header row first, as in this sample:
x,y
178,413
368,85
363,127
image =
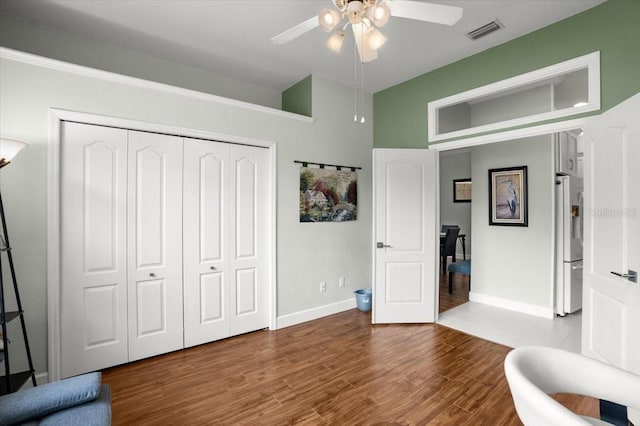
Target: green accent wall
x,y
297,98
613,28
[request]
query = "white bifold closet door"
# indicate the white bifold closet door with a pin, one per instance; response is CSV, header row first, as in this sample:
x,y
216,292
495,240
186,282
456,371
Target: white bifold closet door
x,y
154,244
225,240
149,221
121,246
93,235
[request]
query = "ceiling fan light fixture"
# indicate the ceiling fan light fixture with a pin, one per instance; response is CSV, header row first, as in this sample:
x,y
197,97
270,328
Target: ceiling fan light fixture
x,y
375,39
355,11
336,41
329,19
379,14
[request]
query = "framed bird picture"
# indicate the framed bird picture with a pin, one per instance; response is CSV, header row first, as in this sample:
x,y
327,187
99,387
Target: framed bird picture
x,y
508,204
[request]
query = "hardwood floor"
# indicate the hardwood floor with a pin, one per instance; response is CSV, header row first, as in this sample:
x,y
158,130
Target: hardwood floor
x,y
459,295
338,370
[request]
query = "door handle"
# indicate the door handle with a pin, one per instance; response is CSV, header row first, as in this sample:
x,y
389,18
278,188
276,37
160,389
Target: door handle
x,y
152,275
382,245
631,275
213,268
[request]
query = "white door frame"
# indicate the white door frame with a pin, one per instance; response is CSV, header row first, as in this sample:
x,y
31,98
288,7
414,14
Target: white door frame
x,y
508,135
56,117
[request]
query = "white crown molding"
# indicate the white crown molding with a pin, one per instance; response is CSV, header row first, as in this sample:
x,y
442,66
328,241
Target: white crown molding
x,y
54,64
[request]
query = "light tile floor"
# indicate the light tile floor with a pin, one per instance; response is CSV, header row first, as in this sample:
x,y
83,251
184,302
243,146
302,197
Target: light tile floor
x,y
515,329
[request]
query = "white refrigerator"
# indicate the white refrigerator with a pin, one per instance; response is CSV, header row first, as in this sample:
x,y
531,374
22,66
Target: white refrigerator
x,y
569,233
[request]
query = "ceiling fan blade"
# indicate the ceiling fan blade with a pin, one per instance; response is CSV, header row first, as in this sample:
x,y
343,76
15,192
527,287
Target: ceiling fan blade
x,y
366,54
295,32
438,13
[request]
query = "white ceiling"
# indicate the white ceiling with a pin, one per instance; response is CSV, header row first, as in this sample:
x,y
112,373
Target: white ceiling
x,y
232,37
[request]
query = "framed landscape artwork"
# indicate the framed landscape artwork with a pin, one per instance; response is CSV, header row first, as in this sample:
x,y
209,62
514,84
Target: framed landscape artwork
x,y
508,198
462,190
328,195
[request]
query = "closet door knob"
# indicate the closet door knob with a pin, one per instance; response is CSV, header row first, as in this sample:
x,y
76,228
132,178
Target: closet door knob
x,y
213,268
152,275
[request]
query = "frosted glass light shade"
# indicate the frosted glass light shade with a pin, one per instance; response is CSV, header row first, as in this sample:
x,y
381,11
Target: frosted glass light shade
x,y
375,39
336,41
379,14
328,19
8,149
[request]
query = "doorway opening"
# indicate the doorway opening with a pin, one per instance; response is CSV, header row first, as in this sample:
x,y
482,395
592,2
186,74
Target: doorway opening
x,y
455,211
497,311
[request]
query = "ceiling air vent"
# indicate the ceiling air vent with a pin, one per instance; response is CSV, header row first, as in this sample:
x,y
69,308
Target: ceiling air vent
x,y
485,29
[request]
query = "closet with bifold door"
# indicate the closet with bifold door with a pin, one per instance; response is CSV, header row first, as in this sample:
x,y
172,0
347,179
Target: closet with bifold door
x,y
164,243
225,234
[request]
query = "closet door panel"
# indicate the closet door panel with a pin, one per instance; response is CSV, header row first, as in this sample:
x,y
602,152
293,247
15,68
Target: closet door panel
x,y
249,222
154,244
93,299
206,238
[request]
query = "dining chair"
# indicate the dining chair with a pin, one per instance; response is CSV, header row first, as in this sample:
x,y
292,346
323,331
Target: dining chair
x,y
448,246
443,228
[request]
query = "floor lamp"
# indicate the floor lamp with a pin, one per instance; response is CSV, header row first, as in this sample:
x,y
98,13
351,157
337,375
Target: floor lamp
x,y
8,149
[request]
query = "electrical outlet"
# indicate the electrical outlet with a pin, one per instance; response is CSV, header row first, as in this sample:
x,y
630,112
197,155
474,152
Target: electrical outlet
x,y
341,282
323,286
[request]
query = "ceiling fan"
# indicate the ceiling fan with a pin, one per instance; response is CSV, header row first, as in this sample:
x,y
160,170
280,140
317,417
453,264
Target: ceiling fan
x,y
365,17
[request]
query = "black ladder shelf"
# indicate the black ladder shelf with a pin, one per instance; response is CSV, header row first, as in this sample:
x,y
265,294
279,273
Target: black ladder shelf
x,y
11,382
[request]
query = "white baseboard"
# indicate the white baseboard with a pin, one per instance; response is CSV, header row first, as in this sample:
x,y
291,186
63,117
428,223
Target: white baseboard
x,y
42,378
512,305
315,313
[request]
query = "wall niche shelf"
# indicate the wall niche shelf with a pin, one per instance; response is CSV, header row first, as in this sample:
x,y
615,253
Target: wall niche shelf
x,y
561,90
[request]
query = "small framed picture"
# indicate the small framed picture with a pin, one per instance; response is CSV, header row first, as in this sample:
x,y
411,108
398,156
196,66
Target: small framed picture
x,y
508,204
462,190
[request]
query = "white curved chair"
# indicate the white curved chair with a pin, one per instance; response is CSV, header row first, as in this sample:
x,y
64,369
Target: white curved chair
x,y
534,372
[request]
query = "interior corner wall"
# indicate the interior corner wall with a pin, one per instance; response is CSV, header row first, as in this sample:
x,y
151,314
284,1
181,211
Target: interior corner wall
x,y
455,165
20,34
298,98
306,253
400,112
514,264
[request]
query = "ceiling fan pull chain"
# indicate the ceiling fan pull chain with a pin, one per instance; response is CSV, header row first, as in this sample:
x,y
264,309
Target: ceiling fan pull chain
x,y
362,77
355,84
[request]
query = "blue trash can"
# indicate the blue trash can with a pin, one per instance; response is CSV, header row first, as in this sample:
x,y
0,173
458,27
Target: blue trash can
x,y
363,299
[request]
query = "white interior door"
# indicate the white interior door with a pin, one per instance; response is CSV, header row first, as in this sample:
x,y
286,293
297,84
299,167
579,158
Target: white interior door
x,y
249,218
206,241
154,244
405,234
611,303
93,293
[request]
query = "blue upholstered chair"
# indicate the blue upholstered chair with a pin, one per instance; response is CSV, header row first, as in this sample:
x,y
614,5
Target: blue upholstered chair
x,y
462,267
76,401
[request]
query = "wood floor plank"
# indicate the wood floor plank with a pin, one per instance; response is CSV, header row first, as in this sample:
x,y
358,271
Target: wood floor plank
x,y
332,371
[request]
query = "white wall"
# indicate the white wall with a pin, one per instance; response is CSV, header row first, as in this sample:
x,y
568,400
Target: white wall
x,y
455,165
27,36
513,266
306,253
